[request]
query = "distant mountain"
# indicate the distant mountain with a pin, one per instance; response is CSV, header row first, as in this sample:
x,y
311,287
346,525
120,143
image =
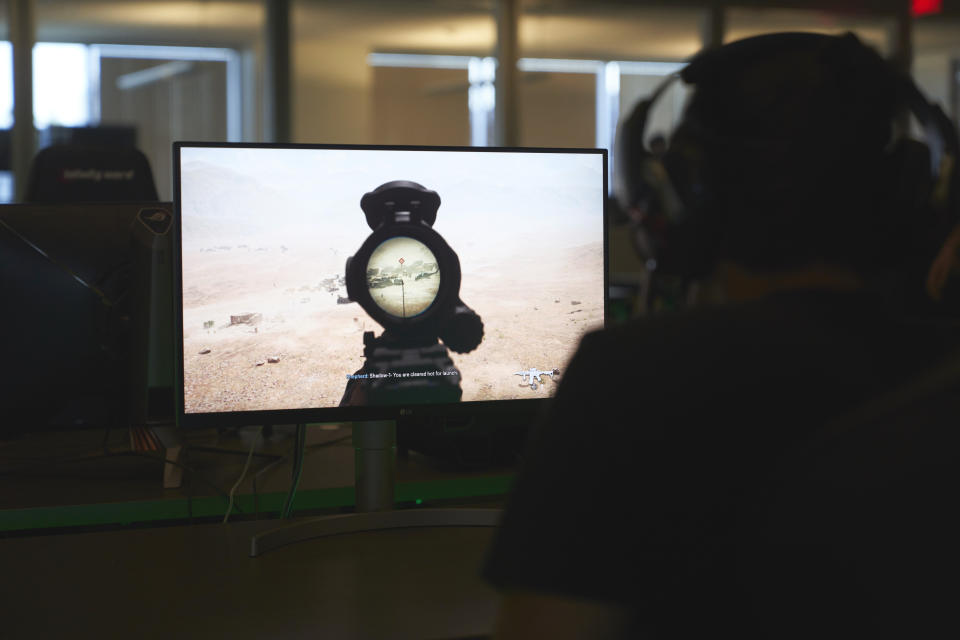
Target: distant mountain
x,y
221,205
218,203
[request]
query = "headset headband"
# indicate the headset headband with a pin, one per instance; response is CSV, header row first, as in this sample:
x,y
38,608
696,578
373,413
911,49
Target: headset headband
x,y
940,135
632,159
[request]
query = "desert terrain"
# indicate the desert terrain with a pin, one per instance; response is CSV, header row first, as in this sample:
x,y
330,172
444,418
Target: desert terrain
x,y
266,233
297,345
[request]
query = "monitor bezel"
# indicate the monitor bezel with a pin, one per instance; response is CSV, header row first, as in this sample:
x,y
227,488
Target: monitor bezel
x,y
364,413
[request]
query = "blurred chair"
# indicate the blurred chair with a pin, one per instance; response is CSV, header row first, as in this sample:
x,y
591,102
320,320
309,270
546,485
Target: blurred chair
x,y
74,173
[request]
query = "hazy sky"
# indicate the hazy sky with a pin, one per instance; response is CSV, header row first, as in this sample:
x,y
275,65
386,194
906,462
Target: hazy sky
x,y
555,195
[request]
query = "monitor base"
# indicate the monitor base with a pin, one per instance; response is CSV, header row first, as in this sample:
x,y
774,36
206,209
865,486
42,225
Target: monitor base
x,y
374,480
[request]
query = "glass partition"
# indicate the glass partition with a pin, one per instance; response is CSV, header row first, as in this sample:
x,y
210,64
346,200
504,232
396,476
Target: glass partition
x,y
591,62
400,72
368,72
936,60
159,71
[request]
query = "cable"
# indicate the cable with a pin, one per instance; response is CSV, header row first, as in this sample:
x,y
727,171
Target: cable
x,y
256,478
193,473
259,454
281,459
300,449
297,469
233,490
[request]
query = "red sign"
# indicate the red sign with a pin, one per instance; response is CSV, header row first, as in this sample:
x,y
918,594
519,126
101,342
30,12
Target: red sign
x,y
924,7
401,260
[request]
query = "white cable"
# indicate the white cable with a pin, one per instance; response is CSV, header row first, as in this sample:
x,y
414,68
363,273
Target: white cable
x,y
243,474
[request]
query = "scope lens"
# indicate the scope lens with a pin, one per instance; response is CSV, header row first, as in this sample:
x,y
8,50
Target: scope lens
x,y
403,276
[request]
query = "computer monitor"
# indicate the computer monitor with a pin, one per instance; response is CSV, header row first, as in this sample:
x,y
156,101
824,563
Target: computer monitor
x,y
87,321
326,283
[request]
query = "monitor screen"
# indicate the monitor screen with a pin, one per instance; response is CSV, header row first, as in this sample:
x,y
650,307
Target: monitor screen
x,y
356,282
87,313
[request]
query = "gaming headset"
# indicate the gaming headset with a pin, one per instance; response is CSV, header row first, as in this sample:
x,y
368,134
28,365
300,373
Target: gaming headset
x,y
671,197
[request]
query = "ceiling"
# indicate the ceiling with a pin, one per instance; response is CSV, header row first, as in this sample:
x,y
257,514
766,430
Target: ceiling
x,y
568,28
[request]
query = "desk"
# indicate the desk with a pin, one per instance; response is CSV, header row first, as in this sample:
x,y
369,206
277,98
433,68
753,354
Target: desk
x,y
69,486
197,582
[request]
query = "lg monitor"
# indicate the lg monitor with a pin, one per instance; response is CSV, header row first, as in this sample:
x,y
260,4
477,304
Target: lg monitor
x,y
328,283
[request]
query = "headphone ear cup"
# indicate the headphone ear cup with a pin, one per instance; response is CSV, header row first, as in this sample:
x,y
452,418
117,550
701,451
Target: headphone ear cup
x,y
692,228
630,157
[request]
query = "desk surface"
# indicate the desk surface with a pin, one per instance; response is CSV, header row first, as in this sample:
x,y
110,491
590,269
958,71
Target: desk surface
x,y
63,480
197,582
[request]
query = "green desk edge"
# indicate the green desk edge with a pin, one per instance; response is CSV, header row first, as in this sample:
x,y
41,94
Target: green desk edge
x,y
180,508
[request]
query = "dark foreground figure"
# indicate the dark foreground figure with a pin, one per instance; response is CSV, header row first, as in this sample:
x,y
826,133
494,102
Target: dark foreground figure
x,y
780,463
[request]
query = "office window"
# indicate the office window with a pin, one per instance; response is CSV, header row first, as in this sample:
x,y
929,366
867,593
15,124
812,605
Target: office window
x,y
169,94
579,103
344,93
936,61
557,109
638,81
61,85
348,89
421,106
198,64
6,120
6,85
587,29
164,93
61,94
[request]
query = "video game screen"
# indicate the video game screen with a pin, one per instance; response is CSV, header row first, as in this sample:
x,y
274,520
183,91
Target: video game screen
x,y
473,273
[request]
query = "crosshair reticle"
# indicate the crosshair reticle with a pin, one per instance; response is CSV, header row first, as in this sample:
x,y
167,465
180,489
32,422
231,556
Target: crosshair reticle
x,y
403,276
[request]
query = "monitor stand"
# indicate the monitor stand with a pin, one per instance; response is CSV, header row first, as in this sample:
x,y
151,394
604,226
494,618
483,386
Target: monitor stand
x,y
374,481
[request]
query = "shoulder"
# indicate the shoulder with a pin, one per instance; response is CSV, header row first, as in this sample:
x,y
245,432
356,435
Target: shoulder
x,y
685,336
781,318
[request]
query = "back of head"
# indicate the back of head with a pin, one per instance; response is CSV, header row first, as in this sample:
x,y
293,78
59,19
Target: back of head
x,y
789,154
796,145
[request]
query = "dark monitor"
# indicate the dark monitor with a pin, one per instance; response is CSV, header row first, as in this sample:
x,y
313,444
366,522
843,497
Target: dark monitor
x,y
87,314
324,283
